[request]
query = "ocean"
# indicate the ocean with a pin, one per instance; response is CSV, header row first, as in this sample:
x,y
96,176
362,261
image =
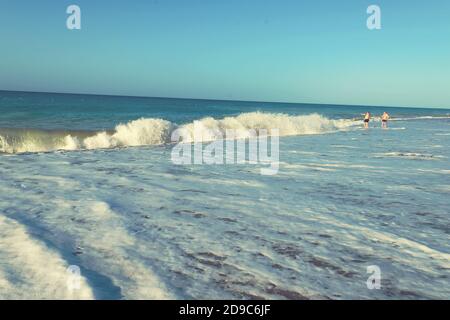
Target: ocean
x,y
93,207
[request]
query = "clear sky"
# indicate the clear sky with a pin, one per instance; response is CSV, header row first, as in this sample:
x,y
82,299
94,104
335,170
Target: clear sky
x,y
314,51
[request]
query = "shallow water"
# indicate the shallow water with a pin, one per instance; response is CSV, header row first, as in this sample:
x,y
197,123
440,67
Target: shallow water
x,y
139,226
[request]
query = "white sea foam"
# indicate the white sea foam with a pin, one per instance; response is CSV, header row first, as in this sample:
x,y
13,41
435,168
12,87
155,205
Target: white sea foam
x,y
213,129
135,133
143,132
141,228
107,244
421,118
37,142
30,270
150,131
409,155
436,171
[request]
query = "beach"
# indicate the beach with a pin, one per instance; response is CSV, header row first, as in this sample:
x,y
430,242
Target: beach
x,y
140,227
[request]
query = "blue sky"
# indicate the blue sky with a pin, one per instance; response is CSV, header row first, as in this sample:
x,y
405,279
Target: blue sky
x,y
313,51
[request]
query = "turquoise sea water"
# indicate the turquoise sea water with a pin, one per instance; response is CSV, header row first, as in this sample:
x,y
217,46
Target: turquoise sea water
x,y
88,112
113,204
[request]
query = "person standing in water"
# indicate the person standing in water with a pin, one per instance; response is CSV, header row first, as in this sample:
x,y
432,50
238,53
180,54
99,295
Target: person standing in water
x,y
366,120
384,119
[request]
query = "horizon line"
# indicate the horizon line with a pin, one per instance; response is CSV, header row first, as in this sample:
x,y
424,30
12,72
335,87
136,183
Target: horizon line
x,y
223,100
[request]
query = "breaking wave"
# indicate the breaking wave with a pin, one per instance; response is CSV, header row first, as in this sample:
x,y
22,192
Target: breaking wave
x,y
444,117
143,132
